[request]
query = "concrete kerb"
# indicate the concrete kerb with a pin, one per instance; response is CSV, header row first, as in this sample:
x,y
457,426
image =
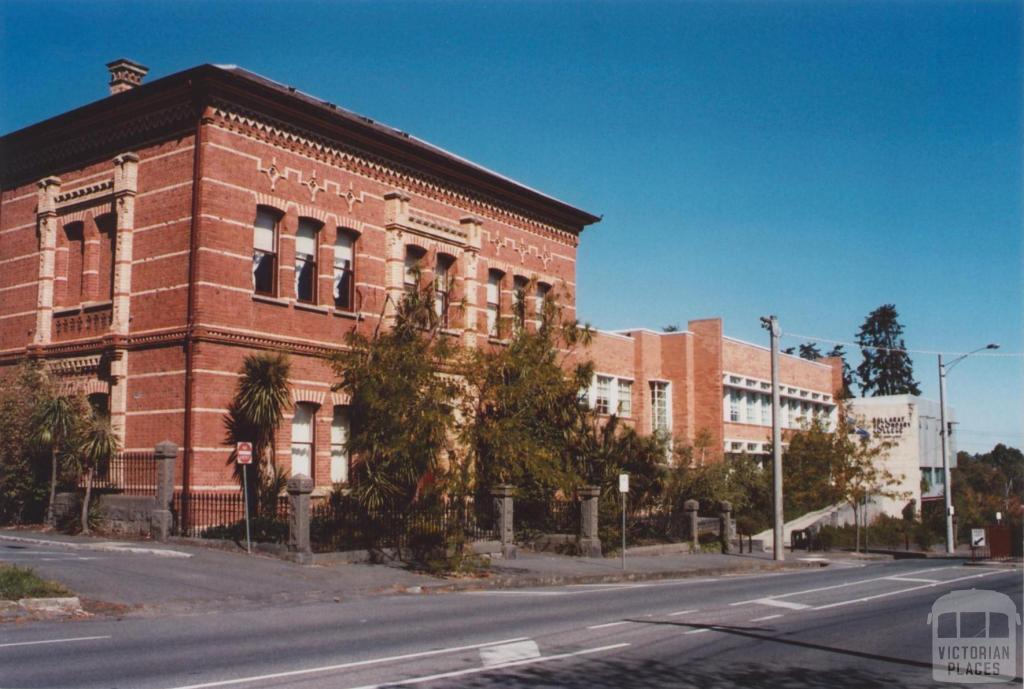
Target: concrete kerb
x,y
105,546
519,581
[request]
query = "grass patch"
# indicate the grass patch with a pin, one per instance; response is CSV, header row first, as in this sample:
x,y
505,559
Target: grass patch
x,y
21,582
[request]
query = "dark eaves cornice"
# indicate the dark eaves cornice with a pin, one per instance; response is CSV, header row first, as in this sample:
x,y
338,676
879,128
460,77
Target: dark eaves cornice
x,y
170,105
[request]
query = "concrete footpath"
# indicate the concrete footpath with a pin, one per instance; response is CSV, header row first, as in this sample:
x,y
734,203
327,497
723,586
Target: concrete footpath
x,y
145,577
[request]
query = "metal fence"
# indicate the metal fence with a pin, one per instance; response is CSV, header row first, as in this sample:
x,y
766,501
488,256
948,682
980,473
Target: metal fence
x,y
340,523
554,517
222,515
131,473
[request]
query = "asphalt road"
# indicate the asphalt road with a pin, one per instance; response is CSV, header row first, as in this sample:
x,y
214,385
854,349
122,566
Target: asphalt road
x,y
842,626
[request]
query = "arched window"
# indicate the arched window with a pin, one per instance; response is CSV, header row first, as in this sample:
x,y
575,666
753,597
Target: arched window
x,y
74,237
442,287
305,260
493,301
264,251
519,285
344,269
302,439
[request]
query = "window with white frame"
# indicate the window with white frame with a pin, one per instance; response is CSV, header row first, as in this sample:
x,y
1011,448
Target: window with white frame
x,y
339,445
734,405
493,301
344,269
602,394
659,407
753,413
766,410
411,273
305,260
302,439
264,251
625,401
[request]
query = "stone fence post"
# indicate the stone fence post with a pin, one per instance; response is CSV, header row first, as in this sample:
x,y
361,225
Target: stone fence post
x,y
692,509
299,545
589,541
161,520
725,529
503,519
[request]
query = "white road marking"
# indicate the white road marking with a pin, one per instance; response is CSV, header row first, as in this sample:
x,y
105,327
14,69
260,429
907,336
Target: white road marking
x,y
343,666
478,670
766,617
906,590
917,579
608,624
699,631
681,612
833,586
521,593
775,603
508,653
54,641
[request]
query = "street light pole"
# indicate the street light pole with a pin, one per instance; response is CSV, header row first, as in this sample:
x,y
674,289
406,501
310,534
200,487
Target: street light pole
x,y
771,323
947,488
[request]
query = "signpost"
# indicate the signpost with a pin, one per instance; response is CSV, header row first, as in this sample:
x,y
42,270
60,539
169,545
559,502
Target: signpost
x,y
623,489
243,456
977,540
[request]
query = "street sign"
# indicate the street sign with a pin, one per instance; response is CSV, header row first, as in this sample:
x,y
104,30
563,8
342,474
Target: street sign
x,y
623,483
977,538
243,453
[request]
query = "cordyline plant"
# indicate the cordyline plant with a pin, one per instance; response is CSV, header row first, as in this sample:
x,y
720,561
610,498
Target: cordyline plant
x,y
55,421
254,414
403,390
96,446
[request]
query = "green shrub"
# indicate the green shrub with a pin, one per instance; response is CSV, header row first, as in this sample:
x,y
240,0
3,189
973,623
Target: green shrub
x,y
21,582
263,530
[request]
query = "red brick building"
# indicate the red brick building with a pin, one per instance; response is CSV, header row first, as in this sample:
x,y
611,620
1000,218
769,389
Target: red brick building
x,y
151,239
683,383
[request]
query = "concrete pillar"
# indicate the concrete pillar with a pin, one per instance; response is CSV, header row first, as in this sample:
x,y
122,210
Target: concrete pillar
x,y
126,175
299,545
46,216
503,519
396,212
726,526
692,510
589,541
161,521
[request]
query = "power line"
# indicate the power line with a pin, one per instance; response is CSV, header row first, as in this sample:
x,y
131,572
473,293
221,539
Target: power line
x,y
812,338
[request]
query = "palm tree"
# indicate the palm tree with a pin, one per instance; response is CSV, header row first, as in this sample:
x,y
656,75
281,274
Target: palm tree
x,y
53,426
97,446
254,414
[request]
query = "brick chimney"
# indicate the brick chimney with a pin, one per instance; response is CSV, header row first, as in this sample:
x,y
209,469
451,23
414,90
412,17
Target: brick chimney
x,y
125,75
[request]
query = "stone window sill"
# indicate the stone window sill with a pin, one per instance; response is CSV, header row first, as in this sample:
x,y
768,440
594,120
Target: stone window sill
x,y
265,299
498,341
311,307
341,313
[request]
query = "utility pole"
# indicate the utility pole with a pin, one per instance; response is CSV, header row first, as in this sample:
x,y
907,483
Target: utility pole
x,y
771,324
943,432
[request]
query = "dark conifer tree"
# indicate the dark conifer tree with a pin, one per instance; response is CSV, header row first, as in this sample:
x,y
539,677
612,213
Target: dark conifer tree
x,y
886,369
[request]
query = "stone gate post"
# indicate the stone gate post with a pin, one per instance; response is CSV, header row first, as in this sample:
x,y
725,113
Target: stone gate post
x,y
692,509
161,520
725,529
503,519
589,541
299,545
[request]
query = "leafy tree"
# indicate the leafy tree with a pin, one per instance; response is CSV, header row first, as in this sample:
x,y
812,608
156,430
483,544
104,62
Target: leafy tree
x,y
810,351
526,424
403,392
254,415
22,466
847,390
96,446
887,368
789,350
984,484
738,478
807,467
671,328
55,422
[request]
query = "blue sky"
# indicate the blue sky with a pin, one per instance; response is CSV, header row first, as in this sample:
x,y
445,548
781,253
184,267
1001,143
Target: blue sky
x,y
808,159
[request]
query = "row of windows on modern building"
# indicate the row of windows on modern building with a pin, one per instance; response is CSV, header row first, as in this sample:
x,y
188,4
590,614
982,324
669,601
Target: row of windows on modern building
x,y
264,272
613,395
750,407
